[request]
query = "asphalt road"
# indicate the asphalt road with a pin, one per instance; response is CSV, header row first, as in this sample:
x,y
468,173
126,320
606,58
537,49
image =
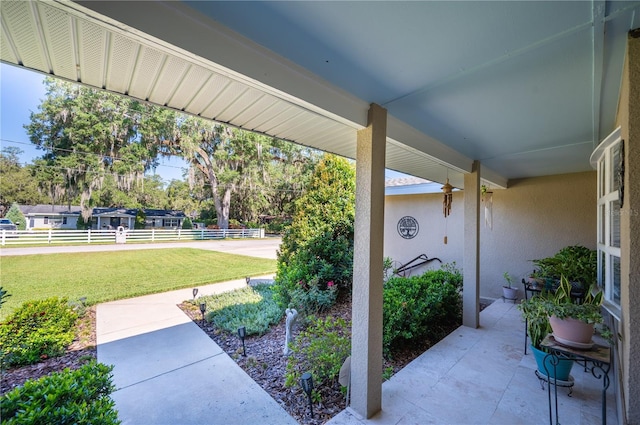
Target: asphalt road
x,y
262,248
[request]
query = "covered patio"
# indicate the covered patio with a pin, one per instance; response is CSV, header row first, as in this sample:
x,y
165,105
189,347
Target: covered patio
x,y
481,376
508,95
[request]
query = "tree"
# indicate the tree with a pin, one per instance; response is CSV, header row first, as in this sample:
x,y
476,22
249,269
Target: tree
x,y
90,134
14,214
318,246
141,220
17,183
186,223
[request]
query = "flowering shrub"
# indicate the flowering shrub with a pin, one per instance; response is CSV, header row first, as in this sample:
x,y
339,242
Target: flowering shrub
x,y
312,298
318,245
35,331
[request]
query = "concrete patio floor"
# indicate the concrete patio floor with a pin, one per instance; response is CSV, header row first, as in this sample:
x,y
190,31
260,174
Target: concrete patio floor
x,y
481,376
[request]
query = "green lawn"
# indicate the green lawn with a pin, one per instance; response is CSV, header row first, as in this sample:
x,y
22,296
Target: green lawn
x,y
105,276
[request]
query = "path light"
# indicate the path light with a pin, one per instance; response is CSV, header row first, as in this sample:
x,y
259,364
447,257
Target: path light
x,y
248,279
307,385
203,308
195,292
242,332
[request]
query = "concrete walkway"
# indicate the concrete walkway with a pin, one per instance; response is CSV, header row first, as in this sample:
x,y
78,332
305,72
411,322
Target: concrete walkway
x,y
167,371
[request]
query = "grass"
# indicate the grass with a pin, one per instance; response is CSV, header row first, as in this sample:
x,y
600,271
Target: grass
x,y
107,276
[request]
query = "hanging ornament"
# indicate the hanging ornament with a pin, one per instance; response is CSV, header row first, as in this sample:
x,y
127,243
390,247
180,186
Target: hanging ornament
x,y
487,199
448,197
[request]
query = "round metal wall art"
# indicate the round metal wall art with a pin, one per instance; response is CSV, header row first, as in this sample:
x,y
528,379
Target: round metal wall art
x,y
408,227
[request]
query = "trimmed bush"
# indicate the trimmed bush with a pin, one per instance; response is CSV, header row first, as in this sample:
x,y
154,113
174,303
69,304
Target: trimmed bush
x,y
318,245
37,330
78,397
186,223
320,349
420,306
251,307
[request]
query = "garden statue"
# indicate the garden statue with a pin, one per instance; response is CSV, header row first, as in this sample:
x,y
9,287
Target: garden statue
x,y
292,315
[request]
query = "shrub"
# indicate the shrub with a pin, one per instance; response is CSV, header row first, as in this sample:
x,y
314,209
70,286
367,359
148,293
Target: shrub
x,y
420,306
318,245
251,307
320,349
311,298
141,220
186,223
14,214
37,330
79,397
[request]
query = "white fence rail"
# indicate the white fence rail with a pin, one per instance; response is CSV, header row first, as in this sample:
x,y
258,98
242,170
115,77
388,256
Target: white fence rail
x,y
50,237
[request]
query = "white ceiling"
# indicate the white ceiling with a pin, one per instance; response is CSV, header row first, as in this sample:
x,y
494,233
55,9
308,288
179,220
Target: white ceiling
x,y
527,88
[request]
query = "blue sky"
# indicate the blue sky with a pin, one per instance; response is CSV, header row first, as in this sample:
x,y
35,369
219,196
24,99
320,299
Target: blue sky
x,y
21,93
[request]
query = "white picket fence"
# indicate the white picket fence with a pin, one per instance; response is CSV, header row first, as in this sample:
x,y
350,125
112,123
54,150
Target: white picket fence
x,y
50,237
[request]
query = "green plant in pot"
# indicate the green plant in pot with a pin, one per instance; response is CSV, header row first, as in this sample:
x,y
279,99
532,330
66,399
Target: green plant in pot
x,y
572,320
577,263
535,312
509,292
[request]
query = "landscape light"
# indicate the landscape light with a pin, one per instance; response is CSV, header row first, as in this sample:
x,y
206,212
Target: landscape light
x,y
242,332
203,308
248,278
306,381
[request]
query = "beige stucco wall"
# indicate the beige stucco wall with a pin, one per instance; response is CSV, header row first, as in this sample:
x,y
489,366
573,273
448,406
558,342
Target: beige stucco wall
x,y
629,120
427,210
534,218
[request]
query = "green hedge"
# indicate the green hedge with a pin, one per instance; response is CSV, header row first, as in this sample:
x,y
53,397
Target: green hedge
x,y
37,330
420,306
78,397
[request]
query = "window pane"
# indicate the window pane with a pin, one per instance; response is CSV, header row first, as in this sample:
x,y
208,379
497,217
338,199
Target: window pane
x,y
615,264
615,167
601,223
614,224
602,176
602,279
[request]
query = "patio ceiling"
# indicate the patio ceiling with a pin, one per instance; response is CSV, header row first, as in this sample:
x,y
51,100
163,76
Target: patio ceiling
x,y
527,88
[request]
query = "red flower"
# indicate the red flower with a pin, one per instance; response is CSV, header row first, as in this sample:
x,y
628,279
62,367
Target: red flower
x,y
330,284
44,357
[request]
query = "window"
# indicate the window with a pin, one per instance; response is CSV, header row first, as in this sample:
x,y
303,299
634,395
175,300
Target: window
x,y
171,222
608,160
46,220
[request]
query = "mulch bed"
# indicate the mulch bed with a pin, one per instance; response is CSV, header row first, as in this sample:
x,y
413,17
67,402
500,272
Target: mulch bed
x,y
265,362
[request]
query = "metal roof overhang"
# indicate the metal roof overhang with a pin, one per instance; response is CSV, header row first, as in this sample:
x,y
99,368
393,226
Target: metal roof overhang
x,y
193,72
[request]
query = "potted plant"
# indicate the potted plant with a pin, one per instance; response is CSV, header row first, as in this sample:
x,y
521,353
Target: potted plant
x,y
572,319
509,292
535,312
577,263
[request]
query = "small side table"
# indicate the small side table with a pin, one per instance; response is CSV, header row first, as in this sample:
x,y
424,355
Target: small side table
x,y
599,356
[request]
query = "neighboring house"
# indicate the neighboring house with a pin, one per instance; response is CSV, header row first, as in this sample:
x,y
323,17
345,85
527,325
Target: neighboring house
x,y
63,217
41,216
112,218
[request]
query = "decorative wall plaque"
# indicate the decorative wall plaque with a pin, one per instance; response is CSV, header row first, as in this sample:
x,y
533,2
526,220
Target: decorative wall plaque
x,y
408,227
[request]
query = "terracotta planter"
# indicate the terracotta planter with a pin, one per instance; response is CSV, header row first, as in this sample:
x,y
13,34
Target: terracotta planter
x,y
571,332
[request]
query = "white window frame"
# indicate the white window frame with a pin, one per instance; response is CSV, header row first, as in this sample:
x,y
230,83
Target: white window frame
x,y
602,160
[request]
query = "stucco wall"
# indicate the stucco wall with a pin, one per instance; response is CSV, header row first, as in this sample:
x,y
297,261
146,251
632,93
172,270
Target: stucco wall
x,y
427,210
534,218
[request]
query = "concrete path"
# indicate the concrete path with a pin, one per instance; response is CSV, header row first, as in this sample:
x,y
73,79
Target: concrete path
x,y
167,371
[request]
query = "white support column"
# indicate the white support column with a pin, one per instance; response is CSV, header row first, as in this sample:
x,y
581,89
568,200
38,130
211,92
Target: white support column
x,y
366,340
471,249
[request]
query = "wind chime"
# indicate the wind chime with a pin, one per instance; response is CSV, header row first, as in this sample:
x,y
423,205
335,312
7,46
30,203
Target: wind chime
x,y
446,205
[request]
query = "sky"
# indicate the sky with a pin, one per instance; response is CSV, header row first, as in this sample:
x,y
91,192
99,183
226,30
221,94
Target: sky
x,y
21,91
